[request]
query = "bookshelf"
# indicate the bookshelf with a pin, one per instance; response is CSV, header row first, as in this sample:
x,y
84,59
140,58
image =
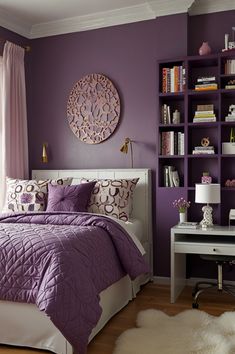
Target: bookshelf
x,y
190,167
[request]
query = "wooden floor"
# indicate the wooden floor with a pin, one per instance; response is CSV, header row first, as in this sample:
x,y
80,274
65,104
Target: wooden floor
x,y
151,296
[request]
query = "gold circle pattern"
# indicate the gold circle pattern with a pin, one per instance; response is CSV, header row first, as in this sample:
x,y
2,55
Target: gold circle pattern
x,y
93,108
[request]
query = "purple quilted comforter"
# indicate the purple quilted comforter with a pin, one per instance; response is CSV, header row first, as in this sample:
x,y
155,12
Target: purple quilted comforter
x,y
61,262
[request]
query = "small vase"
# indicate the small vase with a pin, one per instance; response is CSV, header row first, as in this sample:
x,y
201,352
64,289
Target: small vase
x,y
205,49
183,217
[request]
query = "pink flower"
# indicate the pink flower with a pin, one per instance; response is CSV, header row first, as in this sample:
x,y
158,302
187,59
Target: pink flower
x,y
181,204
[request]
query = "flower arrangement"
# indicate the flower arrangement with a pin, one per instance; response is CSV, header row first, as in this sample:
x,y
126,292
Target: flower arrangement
x,y
181,204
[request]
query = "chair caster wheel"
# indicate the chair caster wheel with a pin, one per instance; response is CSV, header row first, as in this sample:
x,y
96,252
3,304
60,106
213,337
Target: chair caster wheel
x,y
195,305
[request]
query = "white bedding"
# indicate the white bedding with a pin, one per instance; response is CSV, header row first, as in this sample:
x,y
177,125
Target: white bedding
x,y
135,230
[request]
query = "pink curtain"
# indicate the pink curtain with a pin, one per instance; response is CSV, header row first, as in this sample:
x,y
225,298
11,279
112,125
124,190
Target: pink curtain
x,y
14,115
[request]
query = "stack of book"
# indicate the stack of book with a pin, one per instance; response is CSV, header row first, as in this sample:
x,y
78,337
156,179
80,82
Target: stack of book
x,y
229,67
172,143
206,83
231,116
188,225
171,177
173,79
204,113
203,150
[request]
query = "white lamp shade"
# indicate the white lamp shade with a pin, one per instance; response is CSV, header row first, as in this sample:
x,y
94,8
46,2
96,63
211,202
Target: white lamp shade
x,y
207,193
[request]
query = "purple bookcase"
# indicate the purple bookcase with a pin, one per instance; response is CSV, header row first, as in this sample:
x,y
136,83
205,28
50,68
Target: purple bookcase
x,y
190,167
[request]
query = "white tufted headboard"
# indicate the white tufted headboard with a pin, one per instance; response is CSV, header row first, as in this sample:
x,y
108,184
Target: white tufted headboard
x,y
142,208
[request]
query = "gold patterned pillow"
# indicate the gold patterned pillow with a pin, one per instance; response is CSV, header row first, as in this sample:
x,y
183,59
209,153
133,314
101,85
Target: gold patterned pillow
x,y
29,195
112,197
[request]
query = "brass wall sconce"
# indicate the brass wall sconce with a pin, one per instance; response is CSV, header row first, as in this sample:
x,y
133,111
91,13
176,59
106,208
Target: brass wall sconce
x,y
124,148
44,153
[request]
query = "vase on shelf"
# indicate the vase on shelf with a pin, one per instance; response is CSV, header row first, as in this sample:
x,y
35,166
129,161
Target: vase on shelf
x,y
204,49
183,217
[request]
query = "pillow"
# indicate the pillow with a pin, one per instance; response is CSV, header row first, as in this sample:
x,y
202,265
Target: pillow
x,y
69,198
29,195
112,197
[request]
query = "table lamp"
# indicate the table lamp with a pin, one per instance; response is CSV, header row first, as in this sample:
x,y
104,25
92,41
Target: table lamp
x,y
208,194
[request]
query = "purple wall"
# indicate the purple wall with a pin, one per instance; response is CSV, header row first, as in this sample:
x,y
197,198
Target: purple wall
x,y
127,55
209,28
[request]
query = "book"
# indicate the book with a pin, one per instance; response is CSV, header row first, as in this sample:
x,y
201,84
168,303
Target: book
x,y
188,225
166,177
230,119
204,120
182,144
207,88
167,143
205,107
203,115
206,78
205,152
206,85
204,148
170,169
168,115
204,112
175,178
227,87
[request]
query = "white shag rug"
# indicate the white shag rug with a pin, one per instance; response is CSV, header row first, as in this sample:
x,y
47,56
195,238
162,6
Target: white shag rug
x,y
189,332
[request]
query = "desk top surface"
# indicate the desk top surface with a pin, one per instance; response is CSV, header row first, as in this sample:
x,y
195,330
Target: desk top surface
x,y
215,230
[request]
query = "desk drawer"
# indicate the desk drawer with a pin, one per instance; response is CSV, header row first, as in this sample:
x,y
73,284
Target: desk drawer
x,y
187,247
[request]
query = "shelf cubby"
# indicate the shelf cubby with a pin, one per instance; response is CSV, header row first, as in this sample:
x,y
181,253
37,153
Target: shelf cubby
x,y
196,169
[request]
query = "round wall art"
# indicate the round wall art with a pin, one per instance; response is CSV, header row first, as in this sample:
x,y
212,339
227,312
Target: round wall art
x,y
93,108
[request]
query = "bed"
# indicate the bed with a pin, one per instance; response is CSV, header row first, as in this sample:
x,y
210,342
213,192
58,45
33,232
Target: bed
x,y
26,325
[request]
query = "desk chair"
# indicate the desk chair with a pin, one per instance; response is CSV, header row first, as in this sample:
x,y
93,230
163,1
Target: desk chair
x,y
202,286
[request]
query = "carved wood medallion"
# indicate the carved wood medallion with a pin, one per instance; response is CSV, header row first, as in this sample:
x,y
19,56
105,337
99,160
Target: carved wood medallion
x,y
93,108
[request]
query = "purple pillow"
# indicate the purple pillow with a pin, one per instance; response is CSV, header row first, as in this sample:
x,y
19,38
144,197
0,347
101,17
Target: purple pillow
x,y
69,198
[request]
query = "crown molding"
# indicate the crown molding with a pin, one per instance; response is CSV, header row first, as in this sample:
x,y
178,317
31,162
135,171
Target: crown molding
x,y
150,9
14,24
98,20
170,7
201,7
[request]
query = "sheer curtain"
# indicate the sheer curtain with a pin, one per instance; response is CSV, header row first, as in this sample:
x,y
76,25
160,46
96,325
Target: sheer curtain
x,y
2,192
14,137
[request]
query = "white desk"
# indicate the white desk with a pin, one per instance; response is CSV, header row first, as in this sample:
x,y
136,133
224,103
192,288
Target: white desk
x,y
219,240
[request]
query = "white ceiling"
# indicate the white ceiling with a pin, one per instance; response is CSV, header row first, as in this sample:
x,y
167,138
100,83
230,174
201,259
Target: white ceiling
x,y
42,18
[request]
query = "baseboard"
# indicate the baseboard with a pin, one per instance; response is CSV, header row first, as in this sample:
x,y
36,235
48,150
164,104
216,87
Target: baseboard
x,y
161,280
189,281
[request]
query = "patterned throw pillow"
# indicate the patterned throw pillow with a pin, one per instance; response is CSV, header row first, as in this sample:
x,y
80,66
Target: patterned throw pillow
x,y
29,195
112,197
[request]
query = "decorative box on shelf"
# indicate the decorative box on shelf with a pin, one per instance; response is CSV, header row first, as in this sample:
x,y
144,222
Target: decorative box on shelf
x,y
228,148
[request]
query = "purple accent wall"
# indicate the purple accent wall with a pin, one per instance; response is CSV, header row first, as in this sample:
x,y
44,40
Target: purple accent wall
x,y
209,28
127,54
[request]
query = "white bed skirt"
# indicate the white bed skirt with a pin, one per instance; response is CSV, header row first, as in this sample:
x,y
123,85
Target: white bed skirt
x,y
25,325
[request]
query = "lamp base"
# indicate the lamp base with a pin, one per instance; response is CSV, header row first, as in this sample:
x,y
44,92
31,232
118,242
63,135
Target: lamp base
x,y
207,220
